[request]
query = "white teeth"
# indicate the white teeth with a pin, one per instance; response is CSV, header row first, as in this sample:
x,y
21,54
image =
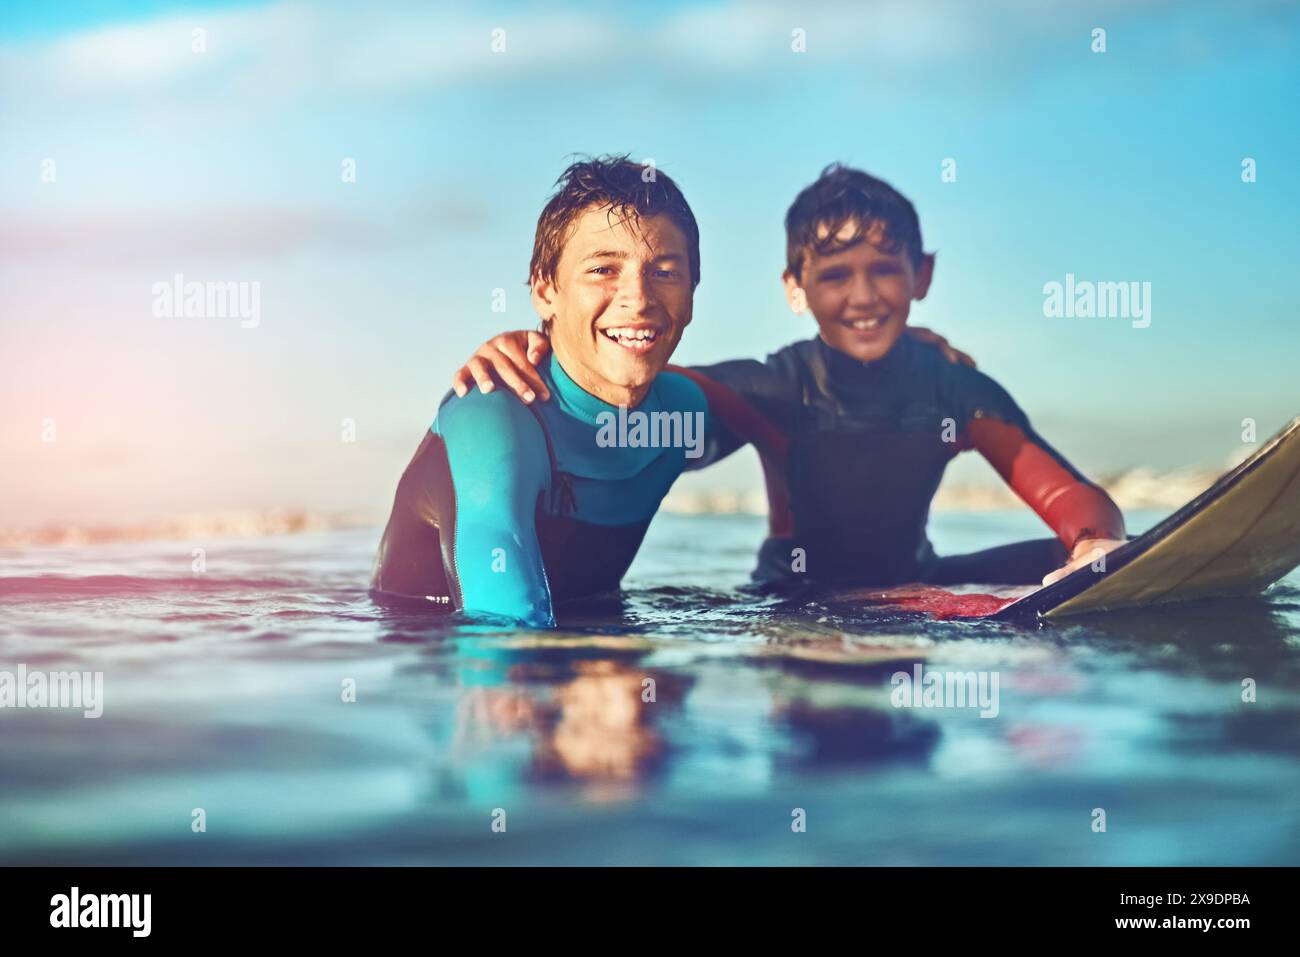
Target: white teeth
x,y
865,323
631,335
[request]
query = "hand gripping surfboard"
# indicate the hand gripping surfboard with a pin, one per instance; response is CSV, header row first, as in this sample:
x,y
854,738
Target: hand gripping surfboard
x,y
1236,538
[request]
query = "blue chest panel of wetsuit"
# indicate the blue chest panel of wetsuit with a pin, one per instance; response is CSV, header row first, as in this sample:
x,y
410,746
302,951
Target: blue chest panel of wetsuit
x,y
507,509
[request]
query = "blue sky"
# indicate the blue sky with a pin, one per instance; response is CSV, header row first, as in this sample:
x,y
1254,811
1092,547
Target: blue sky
x,y
225,165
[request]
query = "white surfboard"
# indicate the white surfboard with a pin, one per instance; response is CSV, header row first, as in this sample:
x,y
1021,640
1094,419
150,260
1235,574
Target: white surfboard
x,y
1237,537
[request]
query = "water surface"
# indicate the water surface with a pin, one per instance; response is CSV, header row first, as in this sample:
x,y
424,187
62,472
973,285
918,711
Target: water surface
x,y
223,691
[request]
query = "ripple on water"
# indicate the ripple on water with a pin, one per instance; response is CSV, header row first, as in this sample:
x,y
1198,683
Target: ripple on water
x,y
226,692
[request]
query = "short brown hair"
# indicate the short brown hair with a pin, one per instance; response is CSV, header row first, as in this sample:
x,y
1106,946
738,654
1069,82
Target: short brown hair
x,y
843,195
624,188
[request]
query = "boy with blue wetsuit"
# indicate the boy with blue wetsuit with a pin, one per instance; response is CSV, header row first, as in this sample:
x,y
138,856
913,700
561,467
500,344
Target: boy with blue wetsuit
x,y
508,508
856,426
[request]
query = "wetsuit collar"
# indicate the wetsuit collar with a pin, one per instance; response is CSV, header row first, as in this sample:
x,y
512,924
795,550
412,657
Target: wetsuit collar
x,y
844,368
577,401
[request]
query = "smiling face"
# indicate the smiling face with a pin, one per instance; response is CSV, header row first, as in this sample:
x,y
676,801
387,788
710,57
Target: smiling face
x,y
620,300
861,294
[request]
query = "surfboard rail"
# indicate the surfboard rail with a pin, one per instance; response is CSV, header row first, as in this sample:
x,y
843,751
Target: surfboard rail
x,y
1274,468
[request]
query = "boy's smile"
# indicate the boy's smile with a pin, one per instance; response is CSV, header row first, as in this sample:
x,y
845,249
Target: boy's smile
x,y
860,294
621,299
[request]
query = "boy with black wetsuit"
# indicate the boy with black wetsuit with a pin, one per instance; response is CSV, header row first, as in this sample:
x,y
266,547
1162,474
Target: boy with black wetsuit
x,y
856,426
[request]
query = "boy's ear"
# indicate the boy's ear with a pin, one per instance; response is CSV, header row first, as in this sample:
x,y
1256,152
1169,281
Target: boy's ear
x,y
794,293
543,296
924,276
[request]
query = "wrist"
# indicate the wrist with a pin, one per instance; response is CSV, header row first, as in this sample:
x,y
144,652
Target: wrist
x,y
1086,546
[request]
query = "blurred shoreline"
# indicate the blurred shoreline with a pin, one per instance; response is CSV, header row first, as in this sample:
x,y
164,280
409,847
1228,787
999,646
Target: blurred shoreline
x,y
1133,489
234,523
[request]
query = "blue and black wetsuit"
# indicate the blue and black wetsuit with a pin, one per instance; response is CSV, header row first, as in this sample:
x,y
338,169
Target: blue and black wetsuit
x,y
507,509
853,453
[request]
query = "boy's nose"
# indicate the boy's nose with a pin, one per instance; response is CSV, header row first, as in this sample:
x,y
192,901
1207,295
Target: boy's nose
x,y
862,291
633,291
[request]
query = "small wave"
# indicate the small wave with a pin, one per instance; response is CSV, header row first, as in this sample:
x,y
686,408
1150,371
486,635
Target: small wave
x,y
81,586
254,523
1135,488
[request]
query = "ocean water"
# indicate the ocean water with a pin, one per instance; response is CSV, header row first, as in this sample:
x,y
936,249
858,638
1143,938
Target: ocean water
x,y
690,722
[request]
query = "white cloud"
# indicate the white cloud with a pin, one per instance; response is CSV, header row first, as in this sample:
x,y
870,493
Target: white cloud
x,y
129,238
288,48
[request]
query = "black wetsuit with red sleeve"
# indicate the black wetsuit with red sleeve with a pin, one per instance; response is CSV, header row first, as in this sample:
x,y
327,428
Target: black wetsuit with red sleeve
x,y
853,453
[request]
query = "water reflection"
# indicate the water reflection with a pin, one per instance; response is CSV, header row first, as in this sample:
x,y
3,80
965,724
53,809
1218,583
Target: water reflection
x,y
1216,638
585,719
760,705
793,695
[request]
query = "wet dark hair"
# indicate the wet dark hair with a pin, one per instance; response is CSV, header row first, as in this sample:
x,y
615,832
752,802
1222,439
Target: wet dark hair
x,y
842,195
624,188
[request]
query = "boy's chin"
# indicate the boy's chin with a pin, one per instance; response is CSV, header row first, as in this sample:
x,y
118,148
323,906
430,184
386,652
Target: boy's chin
x,y
862,348
633,373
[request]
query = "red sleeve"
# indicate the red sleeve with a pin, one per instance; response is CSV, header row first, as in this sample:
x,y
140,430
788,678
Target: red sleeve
x,y
738,415
1073,508
753,427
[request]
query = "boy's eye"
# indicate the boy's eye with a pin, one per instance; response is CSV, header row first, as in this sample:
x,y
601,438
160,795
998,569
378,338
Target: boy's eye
x,y
600,270
666,273
833,275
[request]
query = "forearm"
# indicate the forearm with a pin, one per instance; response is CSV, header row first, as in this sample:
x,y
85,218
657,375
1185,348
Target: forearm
x,y
1074,508
499,464
499,576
